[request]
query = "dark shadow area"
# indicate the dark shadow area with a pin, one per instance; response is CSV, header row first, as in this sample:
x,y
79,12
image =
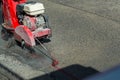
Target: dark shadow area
x,y
7,71
37,42
43,40
1,16
73,72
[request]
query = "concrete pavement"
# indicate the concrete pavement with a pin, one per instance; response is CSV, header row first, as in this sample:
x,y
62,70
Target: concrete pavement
x,y
84,32
83,38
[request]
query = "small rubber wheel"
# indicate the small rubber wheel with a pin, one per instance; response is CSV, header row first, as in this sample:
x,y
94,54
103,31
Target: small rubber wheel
x,y
11,43
4,34
23,44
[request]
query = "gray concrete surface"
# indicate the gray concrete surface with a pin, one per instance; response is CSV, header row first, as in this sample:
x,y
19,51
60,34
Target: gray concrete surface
x,y
83,38
105,8
85,32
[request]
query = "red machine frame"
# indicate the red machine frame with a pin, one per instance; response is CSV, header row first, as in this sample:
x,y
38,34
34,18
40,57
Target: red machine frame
x,y
20,32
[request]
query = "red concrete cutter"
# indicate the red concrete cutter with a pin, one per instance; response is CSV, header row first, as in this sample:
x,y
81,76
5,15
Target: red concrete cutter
x,y
26,22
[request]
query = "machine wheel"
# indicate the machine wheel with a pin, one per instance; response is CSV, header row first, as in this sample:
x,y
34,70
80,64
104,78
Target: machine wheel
x,y
22,44
11,42
4,34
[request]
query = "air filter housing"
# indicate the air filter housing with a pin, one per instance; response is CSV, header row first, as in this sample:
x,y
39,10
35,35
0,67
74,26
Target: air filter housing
x,y
34,8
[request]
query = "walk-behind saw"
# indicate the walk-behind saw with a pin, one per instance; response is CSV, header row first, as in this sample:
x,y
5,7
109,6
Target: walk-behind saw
x,y
27,23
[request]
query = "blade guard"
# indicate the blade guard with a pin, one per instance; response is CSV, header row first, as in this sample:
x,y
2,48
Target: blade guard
x,y
25,33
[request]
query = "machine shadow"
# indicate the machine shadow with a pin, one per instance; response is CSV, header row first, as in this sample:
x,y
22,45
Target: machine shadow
x,y
1,16
73,72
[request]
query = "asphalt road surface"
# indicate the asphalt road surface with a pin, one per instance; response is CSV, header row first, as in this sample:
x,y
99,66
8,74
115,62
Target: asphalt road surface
x,y
82,36
85,32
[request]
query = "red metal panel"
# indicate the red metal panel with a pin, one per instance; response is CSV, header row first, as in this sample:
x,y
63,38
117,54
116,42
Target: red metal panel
x,y
25,33
9,11
44,32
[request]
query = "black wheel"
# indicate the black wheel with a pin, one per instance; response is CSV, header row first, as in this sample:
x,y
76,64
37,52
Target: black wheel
x,y
4,34
11,42
23,44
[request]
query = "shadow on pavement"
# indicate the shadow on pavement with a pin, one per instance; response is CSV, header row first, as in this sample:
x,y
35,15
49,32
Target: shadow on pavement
x,y
73,72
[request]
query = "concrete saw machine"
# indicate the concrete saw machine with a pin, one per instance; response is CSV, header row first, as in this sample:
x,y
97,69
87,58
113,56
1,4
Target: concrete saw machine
x,y
27,23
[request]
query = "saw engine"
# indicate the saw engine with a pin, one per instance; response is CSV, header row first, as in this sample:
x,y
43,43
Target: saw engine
x,y
31,14
34,22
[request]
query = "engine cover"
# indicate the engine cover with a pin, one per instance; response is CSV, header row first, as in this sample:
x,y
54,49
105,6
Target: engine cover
x,y
34,22
34,8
